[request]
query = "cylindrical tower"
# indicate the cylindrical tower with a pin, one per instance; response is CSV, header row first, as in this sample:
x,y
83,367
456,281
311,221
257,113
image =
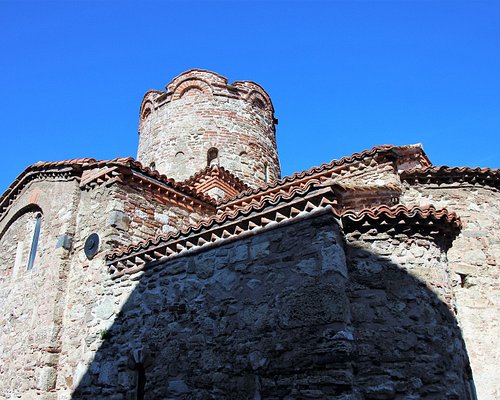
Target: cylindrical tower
x,y
201,120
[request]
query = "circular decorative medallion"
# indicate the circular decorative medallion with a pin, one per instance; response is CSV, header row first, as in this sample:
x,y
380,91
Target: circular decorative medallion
x,y
91,245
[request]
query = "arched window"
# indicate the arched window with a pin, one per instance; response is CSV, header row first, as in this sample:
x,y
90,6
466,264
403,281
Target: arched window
x,y
258,103
212,156
266,173
34,241
19,240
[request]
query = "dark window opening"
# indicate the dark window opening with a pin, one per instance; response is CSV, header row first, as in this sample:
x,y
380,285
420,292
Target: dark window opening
x,y
141,381
259,104
212,157
146,113
34,242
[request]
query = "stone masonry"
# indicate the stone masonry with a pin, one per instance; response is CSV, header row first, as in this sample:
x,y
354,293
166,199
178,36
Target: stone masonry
x,y
275,316
473,262
201,120
370,277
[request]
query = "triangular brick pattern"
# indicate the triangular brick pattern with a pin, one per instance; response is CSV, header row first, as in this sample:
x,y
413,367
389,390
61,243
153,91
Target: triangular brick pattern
x,y
198,272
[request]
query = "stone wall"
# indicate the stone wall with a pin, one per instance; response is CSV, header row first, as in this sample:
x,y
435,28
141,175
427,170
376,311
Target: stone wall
x,y
215,323
120,215
474,262
31,303
199,112
409,345
141,212
282,314
86,282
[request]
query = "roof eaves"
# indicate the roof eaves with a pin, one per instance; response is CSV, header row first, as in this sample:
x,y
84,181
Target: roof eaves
x,y
129,167
71,169
269,212
299,176
444,174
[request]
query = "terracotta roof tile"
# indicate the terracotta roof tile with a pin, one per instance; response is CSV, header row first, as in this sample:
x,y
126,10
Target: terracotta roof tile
x,y
312,171
269,211
387,150
133,164
74,161
444,174
197,181
74,168
386,213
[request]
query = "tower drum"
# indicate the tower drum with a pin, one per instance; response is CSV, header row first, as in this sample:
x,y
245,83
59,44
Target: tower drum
x,y
201,120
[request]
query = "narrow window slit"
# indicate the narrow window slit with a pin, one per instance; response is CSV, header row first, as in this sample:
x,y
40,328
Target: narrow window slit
x,y
34,242
141,381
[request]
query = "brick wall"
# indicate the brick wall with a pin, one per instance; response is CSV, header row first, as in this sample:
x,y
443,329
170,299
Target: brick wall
x,y
201,111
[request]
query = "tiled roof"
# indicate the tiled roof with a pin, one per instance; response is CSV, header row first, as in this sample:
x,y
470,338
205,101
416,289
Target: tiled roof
x,y
267,213
40,165
275,203
207,178
88,168
383,149
384,214
327,170
296,193
136,166
69,169
444,174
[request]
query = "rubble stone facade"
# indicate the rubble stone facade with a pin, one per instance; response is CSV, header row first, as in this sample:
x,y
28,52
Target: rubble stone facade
x,y
371,277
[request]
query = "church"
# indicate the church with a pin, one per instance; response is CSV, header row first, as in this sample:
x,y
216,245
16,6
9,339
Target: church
x,y
197,272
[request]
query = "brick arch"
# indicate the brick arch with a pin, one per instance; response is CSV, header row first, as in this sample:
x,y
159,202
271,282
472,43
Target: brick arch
x,y
146,109
255,99
18,245
189,84
30,208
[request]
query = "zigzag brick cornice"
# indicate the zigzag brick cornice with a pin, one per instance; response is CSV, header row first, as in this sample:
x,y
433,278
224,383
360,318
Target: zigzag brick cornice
x,y
215,230
448,175
216,176
357,161
91,173
63,170
227,215
268,214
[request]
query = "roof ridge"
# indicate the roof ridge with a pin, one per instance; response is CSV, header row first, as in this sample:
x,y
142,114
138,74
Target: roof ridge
x,y
445,174
309,172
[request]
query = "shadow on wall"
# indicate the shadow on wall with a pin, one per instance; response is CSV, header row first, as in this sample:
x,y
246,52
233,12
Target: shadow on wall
x,y
291,313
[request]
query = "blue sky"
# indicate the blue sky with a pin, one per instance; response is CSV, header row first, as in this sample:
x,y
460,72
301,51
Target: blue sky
x,y
343,76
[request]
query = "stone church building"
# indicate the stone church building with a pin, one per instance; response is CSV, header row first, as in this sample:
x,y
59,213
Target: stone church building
x,y
198,272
